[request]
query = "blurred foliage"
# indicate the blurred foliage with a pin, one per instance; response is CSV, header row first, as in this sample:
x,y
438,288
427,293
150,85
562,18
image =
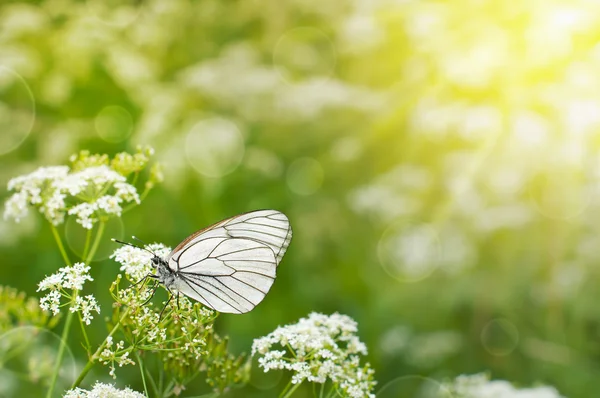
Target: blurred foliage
x,y
438,161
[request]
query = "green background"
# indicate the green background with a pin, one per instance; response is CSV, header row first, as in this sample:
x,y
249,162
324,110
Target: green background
x,y
438,162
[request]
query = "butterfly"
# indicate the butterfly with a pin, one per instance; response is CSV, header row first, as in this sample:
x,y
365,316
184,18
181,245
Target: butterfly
x,y
229,266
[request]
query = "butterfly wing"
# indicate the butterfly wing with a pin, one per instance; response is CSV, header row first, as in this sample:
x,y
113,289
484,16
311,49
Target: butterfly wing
x,y
269,227
231,265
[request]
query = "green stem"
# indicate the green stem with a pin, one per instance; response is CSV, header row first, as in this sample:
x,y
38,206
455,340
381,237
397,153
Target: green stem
x,y
332,392
90,363
142,372
96,243
322,390
86,248
63,252
287,387
61,350
291,391
152,382
85,337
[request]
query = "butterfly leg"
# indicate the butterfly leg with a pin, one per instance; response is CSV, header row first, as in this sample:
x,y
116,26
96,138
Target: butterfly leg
x,y
144,279
155,287
166,305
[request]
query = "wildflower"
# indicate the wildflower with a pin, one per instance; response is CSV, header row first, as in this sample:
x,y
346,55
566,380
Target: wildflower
x,y
86,306
480,385
316,349
68,278
103,390
92,188
135,262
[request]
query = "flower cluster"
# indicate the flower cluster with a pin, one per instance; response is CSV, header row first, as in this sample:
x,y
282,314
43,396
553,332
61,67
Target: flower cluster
x,y
102,390
316,349
68,278
136,263
480,386
111,355
92,188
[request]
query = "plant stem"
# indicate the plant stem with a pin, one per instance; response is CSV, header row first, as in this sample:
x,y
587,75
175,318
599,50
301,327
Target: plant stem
x,y
96,243
61,247
85,337
86,248
139,359
287,387
322,389
61,350
90,363
291,391
152,382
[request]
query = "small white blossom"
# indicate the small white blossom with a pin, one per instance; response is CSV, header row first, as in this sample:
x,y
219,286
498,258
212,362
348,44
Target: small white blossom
x,y
127,192
16,207
322,347
102,390
86,306
68,278
109,204
51,302
84,212
91,190
135,262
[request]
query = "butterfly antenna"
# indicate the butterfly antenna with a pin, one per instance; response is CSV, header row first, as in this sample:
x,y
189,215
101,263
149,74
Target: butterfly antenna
x,y
132,245
143,243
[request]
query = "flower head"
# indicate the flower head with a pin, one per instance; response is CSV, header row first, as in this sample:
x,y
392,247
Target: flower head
x,y
316,349
60,283
92,188
102,390
136,262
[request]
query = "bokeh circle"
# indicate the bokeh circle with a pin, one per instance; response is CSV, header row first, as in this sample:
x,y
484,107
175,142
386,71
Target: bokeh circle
x,y
413,386
28,356
500,337
17,110
409,252
214,147
113,124
76,237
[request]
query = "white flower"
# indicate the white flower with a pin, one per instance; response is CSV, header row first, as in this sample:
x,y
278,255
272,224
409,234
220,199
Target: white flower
x,y
102,390
136,262
84,212
86,306
109,204
322,347
51,302
75,276
480,386
16,207
68,278
87,191
127,192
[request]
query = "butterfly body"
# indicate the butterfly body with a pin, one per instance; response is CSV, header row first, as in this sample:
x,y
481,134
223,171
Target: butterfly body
x,y
164,274
231,265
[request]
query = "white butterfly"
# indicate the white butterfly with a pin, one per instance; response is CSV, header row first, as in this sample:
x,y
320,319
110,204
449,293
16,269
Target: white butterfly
x,y
229,266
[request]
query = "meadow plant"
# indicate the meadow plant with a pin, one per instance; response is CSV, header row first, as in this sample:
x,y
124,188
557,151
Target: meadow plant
x,y
318,349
